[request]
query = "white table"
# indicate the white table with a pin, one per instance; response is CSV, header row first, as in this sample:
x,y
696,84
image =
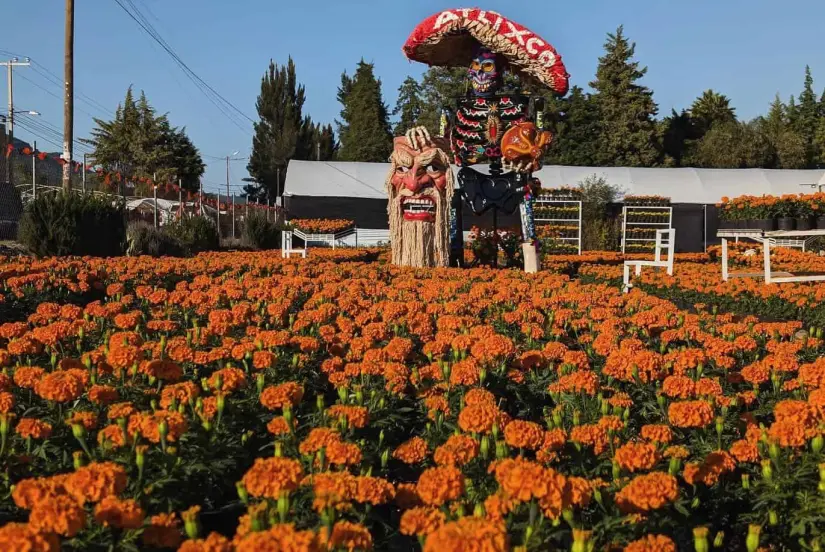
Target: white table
x,y
767,239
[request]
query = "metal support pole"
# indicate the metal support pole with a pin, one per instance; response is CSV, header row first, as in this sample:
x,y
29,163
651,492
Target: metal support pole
x,y
155,191
180,198
218,210
233,217
268,201
84,173
34,171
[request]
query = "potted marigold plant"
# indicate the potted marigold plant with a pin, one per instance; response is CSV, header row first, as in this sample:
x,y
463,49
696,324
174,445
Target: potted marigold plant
x,y
818,209
785,212
761,216
804,213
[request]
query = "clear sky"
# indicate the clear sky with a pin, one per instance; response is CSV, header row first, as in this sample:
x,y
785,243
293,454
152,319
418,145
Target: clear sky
x,y
746,49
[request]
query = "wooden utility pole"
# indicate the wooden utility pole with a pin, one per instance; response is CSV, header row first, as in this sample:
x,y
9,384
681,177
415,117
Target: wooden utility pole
x,y
68,103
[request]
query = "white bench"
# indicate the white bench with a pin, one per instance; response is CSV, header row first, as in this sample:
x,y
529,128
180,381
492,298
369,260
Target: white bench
x,y
660,244
286,246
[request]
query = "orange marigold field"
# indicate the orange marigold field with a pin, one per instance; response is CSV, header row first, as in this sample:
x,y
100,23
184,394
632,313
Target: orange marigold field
x,y
238,401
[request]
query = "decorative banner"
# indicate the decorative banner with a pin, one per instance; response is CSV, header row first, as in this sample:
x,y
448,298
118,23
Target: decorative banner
x,y
449,38
9,149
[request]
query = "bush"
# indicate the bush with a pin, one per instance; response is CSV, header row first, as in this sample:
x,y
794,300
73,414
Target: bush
x,y
145,239
196,234
259,233
73,224
598,232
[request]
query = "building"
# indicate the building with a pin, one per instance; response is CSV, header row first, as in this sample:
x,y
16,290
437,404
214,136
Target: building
x,y
356,191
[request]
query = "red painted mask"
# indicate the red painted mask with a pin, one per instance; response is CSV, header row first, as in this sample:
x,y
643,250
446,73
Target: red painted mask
x,y
418,176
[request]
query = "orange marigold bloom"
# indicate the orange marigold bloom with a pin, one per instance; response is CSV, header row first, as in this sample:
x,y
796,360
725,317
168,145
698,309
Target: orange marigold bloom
x,y
468,533
421,521
333,489
745,451
678,387
581,381
269,477
318,438
122,514
182,393
439,485
341,453
652,543
6,402
788,433
166,370
373,490
23,536
709,471
635,457
262,360
60,515
657,433
28,376
149,427
231,379
94,482
478,418
457,451
435,404
112,434
349,536
523,434
215,542
277,396
277,538
356,416
120,410
103,394
479,396
59,386
163,531
86,419
690,414
647,492
591,435
411,452
34,428
278,426
29,492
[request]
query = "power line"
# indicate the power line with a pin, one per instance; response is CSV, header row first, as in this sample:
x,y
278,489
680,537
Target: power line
x,y
52,94
222,104
44,72
38,135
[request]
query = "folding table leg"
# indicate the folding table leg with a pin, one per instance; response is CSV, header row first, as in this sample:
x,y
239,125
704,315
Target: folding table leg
x,y
724,259
766,249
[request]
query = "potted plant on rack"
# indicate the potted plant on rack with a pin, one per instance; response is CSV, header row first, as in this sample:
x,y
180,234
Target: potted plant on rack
x,y
785,210
804,213
761,213
818,208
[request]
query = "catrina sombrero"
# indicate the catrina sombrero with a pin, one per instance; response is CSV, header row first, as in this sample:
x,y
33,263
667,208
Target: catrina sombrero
x,y
451,38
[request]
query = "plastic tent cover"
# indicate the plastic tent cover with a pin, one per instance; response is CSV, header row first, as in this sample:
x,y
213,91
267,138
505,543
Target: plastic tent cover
x,y
682,185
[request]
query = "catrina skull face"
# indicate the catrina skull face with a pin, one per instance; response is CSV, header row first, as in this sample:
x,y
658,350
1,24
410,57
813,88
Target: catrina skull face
x,y
485,73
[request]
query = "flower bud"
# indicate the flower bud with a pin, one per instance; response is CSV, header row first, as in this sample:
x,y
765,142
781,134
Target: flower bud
x,y
207,425
626,415
674,466
746,481
288,417
773,518
580,540
359,397
720,425
557,420
700,539
153,404
576,417
719,539
77,458
5,423
243,495
343,395
767,470
283,507
484,447
773,452
660,400
605,408
495,430
501,450
140,457
78,431
617,471
321,457
279,452
817,443
380,438
260,382
163,428
752,542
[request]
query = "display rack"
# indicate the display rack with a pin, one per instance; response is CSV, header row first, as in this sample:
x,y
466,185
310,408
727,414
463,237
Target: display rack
x,y
561,211
639,225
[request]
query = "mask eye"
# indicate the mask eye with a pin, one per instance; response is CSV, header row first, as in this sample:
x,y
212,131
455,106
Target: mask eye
x,y
488,66
434,168
475,66
402,170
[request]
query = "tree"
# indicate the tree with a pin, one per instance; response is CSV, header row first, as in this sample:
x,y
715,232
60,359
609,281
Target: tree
x,y
364,128
409,106
141,144
441,87
711,108
807,112
732,145
790,151
628,132
576,123
282,130
678,136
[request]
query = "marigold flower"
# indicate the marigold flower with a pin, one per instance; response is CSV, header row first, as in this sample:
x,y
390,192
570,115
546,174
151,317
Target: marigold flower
x,y
122,514
652,543
373,490
439,485
182,393
120,410
690,414
163,531
523,434
421,521
635,457
28,376
676,451
278,426
709,471
60,515
231,379
280,537
356,416
657,433
468,533
678,387
103,394
277,396
745,451
59,386
318,438
479,396
84,418
333,489
149,425
165,370
112,434
349,536
591,435
23,536
411,452
341,453
34,428
457,451
28,492
215,542
478,418
94,482
269,477
647,492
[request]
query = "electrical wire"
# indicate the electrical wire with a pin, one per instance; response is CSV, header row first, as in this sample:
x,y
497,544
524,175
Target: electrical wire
x,y
222,104
19,74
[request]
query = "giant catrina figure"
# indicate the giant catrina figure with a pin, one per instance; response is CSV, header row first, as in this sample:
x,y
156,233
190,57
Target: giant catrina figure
x,y
504,129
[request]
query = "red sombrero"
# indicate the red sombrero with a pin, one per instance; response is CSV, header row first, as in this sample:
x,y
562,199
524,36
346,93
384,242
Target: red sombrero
x,y
450,38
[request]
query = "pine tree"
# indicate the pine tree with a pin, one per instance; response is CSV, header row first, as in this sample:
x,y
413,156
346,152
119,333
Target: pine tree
x,y
409,106
732,145
807,111
326,141
628,135
282,130
790,151
711,108
678,136
442,87
576,123
365,128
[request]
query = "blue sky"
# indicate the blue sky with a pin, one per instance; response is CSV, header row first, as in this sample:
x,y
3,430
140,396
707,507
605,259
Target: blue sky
x,y
746,49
